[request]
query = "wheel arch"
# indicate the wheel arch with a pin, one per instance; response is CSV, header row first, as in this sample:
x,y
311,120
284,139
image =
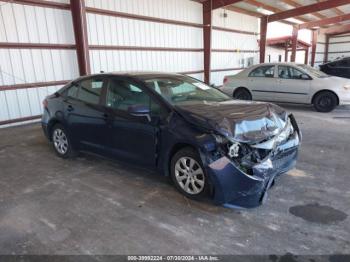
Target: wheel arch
x,y
181,145
324,90
241,88
174,149
50,125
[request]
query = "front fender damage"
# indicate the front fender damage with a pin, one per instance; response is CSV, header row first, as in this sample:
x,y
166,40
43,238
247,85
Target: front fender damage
x,y
235,187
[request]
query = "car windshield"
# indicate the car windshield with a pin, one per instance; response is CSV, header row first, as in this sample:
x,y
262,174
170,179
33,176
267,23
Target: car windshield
x,y
183,89
312,71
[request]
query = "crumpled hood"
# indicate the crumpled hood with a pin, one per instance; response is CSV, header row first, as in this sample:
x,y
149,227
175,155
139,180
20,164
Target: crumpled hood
x,y
242,121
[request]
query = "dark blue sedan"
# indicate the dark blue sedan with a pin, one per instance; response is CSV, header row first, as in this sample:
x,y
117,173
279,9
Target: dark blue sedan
x,y
210,144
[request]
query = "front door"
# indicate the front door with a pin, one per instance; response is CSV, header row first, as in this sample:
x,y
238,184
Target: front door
x,y
134,138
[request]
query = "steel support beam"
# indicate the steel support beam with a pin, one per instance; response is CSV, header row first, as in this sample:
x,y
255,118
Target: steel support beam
x,y
215,4
306,61
307,9
294,43
336,30
327,21
80,34
263,32
326,47
286,53
313,48
207,31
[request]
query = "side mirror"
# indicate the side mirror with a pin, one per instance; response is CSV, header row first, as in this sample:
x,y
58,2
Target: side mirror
x,y
304,77
140,110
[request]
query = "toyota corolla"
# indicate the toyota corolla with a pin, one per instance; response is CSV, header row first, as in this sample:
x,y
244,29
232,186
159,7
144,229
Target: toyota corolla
x,y
208,143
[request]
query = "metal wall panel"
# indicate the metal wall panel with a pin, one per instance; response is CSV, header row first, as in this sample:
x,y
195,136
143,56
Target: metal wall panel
x,y
234,20
23,102
237,42
339,47
181,10
320,48
33,24
19,66
115,60
107,30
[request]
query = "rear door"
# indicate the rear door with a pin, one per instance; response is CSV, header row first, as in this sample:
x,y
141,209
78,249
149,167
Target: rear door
x,y
85,115
291,86
262,83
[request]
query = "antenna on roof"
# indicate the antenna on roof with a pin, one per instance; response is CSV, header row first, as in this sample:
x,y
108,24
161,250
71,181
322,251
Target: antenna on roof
x,y
102,71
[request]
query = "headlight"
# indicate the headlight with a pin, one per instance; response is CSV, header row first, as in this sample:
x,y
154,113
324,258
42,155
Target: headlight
x,y
347,87
282,136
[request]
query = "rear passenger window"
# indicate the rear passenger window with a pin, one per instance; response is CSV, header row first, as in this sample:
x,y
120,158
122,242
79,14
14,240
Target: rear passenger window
x,y
263,71
90,90
72,91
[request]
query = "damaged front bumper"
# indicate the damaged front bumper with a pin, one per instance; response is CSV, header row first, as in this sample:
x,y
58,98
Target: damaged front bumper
x,y
233,187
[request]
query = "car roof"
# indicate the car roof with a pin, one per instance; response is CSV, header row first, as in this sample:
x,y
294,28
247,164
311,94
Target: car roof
x,y
278,63
338,59
136,74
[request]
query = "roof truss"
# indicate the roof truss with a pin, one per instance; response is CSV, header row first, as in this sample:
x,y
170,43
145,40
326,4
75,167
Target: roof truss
x,y
302,10
327,21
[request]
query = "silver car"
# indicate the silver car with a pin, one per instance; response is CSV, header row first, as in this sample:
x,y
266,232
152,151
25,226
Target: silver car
x,y
289,82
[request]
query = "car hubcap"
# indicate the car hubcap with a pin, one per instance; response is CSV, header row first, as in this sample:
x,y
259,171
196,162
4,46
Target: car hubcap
x,y
189,175
242,96
60,141
325,102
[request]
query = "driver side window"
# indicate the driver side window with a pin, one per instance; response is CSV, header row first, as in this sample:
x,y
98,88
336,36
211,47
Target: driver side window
x,y
287,72
122,94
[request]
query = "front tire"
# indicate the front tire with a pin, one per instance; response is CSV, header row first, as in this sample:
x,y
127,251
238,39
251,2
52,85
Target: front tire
x,y
61,142
325,101
188,174
242,94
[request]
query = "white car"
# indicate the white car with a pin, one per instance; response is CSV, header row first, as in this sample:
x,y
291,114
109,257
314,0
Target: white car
x,y
289,82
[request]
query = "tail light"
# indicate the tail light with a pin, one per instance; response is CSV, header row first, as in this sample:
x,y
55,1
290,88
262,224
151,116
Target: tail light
x,y
225,80
45,103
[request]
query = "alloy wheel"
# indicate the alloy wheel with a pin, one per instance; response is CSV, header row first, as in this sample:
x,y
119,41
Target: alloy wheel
x,y
60,141
189,175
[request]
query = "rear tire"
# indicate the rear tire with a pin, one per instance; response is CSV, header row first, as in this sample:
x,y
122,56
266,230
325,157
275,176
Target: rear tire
x,y
188,174
242,94
61,142
325,101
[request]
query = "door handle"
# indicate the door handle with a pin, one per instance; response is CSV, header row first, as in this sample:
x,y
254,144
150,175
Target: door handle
x,y
105,116
70,108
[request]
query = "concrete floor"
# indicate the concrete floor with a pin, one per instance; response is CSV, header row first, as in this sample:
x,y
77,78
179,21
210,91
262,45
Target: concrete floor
x,y
92,205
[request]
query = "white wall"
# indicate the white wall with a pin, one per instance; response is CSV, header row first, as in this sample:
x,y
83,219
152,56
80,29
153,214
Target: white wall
x,y
237,42
274,54
339,47
29,24
117,31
